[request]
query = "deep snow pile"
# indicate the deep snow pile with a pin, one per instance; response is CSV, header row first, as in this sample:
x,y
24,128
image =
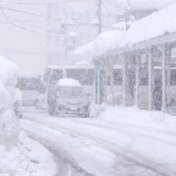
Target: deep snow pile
x,y
135,116
157,24
26,158
10,104
19,155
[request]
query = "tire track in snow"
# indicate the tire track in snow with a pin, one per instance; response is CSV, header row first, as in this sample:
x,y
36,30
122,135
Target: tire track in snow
x,y
132,157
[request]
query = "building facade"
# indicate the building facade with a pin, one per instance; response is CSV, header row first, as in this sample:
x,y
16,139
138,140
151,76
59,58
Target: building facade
x,y
72,24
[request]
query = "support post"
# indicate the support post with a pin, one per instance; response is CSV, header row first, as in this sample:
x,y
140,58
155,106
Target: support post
x,y
151,79
168,76
137,81
124,79
162,48
99,14
112,82
98,92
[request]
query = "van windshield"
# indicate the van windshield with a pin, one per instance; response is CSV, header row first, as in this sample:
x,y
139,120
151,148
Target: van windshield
x,y
71,91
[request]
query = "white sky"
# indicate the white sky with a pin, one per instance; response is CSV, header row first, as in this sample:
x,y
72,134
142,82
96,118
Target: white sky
x,y
14,40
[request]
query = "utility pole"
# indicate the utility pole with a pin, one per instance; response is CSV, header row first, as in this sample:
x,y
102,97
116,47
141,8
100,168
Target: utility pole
x,y
99,4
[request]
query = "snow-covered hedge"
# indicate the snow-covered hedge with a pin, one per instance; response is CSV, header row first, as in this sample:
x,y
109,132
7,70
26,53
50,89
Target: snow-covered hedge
x,y
10,102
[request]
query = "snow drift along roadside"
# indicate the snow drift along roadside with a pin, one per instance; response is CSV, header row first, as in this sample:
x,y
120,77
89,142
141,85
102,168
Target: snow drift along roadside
x,y
19,155
135,116
28,157
10,103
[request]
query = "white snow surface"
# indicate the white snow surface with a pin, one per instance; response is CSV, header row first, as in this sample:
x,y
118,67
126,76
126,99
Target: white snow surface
x,y
10,103
119,26
75,148
107,41
19,155
143,4
84,53
157,24
68,82
27,158
137,134
136,116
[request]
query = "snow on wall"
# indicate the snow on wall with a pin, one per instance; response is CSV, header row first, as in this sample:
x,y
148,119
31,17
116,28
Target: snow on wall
x,y
157,24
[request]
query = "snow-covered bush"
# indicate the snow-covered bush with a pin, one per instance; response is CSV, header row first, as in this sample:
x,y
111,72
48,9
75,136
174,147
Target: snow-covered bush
x,y
10,110
10,102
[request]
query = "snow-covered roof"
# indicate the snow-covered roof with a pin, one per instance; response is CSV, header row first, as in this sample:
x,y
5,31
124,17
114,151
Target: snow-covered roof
x,y
144,4
107,41
84,53
155,25
120,26
68,82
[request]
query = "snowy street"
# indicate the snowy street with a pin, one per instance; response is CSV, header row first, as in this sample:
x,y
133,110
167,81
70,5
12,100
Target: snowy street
x,y
95,146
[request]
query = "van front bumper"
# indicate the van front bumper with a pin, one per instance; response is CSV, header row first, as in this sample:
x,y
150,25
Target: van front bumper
x,y
72,110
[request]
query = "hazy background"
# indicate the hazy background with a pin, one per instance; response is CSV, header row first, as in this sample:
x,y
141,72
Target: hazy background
x,y
27,49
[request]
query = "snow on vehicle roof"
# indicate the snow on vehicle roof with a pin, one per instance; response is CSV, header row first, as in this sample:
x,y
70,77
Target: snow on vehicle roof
x,y
68,82
82,63
155,25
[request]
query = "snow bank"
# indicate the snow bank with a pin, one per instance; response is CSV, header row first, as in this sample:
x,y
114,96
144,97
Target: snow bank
x,y
157,24
28,157
67,82
107,41
19,155
10,103
138,117
10,110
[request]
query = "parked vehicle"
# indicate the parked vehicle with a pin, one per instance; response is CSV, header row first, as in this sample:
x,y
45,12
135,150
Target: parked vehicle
x,y
29,85
67,96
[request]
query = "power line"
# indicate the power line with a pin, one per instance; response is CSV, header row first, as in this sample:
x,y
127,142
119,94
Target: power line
x,y
128,2
39,3
28,13
113,3
24,28
108,11
22,52
45,17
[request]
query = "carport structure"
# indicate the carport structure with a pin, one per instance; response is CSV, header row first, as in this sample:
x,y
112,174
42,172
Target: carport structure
x,y
151,37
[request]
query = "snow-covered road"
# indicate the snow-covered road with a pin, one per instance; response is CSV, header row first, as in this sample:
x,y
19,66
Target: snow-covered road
x,y
96,147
